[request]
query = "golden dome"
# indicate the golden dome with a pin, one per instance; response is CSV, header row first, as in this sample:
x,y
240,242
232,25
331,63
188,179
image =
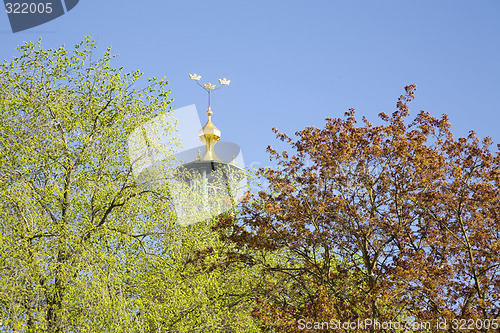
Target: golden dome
x,y
209,135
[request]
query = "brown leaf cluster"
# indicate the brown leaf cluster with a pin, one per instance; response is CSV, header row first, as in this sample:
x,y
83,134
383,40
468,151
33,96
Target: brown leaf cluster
x,y
392,222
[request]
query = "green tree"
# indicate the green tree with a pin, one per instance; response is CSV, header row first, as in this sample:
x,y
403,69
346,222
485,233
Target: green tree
x,y
84,246
71,210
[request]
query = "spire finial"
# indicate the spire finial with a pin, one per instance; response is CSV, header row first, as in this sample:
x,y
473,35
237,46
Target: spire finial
x,y
208,87
209,134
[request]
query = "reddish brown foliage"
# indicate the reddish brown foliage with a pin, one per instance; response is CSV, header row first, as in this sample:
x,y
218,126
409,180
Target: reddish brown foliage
x,y
391,222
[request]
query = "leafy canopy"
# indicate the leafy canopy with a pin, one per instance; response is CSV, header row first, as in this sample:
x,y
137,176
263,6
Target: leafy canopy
x,y
83,245
397,222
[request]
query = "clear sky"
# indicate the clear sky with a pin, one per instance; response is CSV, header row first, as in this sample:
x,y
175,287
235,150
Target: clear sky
x,y
294,63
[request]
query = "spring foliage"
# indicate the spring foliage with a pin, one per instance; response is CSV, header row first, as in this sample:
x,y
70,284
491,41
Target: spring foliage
x,y
83,246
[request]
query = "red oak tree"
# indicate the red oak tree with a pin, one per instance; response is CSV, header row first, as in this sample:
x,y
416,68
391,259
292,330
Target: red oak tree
x,y
397,222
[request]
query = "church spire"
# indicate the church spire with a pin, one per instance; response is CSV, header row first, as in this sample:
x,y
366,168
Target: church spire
x,y
209,135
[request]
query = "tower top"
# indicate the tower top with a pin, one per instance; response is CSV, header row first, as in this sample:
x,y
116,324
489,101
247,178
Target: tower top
x,y
209,135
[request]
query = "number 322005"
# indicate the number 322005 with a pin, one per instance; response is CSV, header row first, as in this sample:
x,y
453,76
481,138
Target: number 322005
x,y
471,324
28,8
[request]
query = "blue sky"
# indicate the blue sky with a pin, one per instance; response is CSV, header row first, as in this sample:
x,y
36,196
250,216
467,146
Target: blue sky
x,y
294,63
